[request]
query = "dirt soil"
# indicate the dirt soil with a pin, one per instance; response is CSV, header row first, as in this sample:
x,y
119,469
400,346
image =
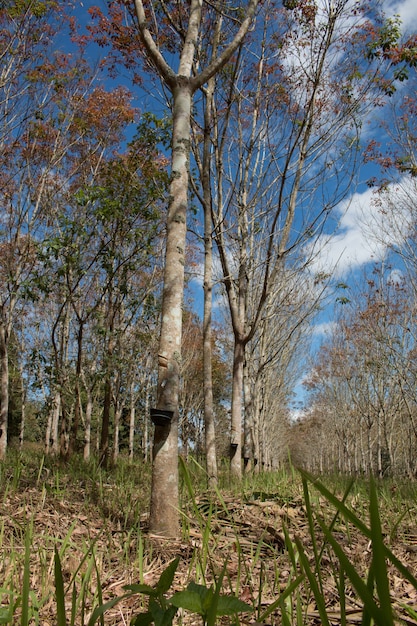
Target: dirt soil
x,y
248,535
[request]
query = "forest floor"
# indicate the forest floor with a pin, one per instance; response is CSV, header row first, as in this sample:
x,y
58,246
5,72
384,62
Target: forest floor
x,y
97,521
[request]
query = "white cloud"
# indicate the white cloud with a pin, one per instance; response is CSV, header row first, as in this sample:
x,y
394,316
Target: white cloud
x,y
396,277
364,235
350,247
323,329
406,9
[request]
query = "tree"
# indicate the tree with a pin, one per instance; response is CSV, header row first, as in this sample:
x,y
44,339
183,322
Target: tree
x,y
176,30
284,121
395,185
182,84
363,379
105,248
33,81
71,195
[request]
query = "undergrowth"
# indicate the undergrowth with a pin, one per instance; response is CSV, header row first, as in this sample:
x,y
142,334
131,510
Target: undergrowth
x,y
74,548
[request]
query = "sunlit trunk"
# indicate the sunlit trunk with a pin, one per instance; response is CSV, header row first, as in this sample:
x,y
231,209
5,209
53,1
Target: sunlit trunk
x,y
87,433
51,435
132,416
164,518
237,408
248,438
4,389
116,434
105,422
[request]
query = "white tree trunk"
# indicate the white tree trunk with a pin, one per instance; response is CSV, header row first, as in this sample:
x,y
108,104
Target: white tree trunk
x,y
4,389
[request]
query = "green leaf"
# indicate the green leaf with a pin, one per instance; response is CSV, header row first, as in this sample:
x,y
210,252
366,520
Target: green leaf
x,y
211,610
100,610
350,516
408,609
361,587
6,614
143,619
378,556
162,617
26,577
340,506
167,577
280,601
188,600
229,605
318,595
144,589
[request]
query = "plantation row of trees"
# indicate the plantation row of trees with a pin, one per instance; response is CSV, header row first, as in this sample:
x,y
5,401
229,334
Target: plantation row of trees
x,y
362,410
83,188
262,106
363,413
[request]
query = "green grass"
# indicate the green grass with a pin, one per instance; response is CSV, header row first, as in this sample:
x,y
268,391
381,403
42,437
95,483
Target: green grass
x,y
285,546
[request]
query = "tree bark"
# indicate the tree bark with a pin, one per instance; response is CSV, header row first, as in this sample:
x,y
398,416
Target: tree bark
x,y
132,416
4,389
77,407
105,424
164,517
237,408
87,433
209,424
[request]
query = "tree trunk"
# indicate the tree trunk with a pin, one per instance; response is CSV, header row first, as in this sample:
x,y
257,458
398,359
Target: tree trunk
x,y
248,438
237,407
105,424
87,433
164,518
209,424
64,430
108,387
51,436
77,407
145,441
4,390
117,417
132,415
23,410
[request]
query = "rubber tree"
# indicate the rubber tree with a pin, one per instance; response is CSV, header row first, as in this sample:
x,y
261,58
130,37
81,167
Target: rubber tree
x,y
182,84
285,130
32,78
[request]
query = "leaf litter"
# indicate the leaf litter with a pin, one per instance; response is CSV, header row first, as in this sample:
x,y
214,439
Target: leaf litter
x,y
248,534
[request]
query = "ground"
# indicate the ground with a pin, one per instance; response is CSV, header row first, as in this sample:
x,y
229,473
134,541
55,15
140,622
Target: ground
x,y
257,534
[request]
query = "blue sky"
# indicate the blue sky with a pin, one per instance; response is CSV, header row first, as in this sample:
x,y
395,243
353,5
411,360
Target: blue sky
x,y
350,246
360,238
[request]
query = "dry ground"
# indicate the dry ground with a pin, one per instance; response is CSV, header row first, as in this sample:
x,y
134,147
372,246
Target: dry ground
x,y
248,534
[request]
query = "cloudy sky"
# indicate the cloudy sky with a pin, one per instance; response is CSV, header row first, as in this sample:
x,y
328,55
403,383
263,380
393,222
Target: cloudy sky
x,y
406,9
360,238
363,235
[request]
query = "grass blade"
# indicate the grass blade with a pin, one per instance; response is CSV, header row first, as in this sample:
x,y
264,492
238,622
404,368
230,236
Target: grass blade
x,y
102,608
361,587
282,597
59,591
311,527
378,557
339,505
26,577
315,588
